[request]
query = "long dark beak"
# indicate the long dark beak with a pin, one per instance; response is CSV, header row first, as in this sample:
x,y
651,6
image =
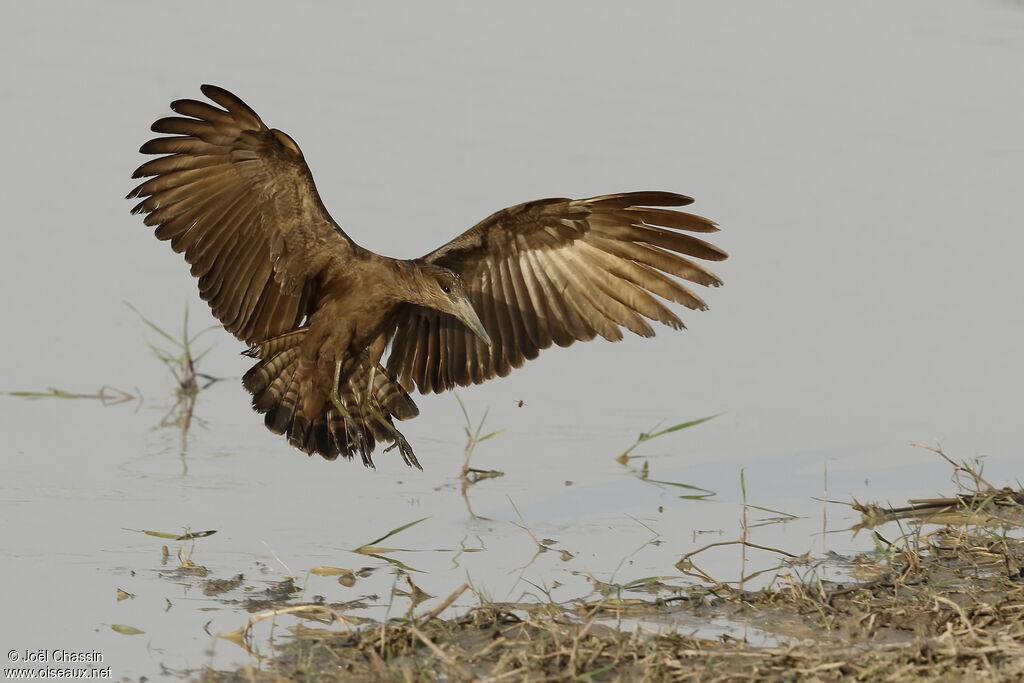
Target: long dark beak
x,y
464,312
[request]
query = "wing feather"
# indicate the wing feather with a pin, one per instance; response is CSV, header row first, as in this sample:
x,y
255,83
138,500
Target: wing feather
x,y
172,163
422,344
560,320
613,278
458,358
505,346
442,363
591,305
513,270
237,198
473,360
556,271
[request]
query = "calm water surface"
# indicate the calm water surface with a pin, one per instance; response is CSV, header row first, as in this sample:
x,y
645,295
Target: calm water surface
x,y
865,163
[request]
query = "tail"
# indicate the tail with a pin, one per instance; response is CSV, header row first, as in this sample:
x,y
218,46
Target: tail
x,y
278,388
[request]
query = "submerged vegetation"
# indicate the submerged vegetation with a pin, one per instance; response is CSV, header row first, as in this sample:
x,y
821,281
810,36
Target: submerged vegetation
x,y
108,396
942,600
177,353
947,610
182,362
474,437
910,621
644,471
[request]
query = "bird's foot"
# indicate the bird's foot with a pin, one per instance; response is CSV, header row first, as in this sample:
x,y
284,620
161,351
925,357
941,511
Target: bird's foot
x,y
403,447
384,420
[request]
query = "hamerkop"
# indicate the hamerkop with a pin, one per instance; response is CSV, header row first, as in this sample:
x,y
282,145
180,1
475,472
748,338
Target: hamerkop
x,y
318,311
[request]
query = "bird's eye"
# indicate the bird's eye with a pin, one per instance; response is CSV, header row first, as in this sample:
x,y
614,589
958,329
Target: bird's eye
x,y
446,289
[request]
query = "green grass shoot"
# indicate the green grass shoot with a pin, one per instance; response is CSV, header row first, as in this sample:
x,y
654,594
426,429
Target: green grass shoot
x,y
623,457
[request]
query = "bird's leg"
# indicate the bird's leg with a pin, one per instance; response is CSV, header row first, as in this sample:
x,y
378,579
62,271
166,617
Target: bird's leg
x,y
397,438
350,424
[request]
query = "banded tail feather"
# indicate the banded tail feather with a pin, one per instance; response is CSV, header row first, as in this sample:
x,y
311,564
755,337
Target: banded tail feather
x,y
313,424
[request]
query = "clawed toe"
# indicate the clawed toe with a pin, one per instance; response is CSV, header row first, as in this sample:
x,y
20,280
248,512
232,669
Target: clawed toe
x,y
404,448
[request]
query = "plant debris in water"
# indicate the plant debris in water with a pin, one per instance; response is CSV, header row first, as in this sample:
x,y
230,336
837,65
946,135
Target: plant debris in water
x,y
941,604
950,610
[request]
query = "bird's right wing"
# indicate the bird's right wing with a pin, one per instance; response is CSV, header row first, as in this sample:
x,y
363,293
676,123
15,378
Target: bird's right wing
x,y
555,271
238,199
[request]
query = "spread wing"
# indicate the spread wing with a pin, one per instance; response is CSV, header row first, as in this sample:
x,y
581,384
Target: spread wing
x,y
555,271
237,198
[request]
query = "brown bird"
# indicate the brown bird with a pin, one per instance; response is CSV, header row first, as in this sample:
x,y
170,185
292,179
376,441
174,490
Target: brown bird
x,y
318,310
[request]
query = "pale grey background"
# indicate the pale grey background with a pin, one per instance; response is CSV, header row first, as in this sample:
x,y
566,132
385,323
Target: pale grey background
x,y
863,159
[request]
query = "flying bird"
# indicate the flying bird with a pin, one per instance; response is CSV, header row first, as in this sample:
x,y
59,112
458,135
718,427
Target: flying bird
x,y
318,311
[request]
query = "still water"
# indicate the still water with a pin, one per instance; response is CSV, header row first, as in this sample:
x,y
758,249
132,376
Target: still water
x,y
864,161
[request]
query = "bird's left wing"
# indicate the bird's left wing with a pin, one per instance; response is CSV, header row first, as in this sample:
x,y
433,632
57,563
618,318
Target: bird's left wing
x,y
238,199
555,271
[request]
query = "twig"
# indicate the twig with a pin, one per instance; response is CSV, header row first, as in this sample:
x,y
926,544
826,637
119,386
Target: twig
x,y
745,543
243,633
957,467
444,604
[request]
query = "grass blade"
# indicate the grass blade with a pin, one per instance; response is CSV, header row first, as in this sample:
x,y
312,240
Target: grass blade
x,y
156,328
681,485
623,457
391,533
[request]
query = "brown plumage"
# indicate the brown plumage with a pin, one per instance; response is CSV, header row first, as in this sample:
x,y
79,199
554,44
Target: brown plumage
x,y
317,310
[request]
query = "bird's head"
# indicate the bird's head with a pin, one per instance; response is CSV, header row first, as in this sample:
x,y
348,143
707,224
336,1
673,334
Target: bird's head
x,y
445,290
